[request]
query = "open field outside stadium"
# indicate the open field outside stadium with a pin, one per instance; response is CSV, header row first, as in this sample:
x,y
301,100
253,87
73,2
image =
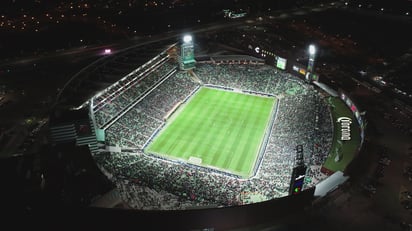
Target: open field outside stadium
x,y
218,129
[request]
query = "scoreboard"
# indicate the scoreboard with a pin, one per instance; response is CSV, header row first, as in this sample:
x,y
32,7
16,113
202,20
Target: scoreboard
x,y
281,63
298,185
297,180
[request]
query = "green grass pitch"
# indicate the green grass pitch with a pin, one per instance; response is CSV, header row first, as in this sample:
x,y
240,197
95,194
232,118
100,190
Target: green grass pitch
x,y
224,129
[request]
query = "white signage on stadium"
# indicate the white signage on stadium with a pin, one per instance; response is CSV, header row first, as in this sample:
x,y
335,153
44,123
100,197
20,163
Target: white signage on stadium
x,y
345,123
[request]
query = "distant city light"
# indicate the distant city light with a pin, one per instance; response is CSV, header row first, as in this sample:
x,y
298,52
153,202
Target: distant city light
x,y
312,49
187,38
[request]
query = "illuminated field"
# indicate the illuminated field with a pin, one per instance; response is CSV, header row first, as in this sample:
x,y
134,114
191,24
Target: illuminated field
x,y
217,128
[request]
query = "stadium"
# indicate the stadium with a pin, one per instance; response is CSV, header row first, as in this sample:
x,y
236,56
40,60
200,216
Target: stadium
x,y
194,133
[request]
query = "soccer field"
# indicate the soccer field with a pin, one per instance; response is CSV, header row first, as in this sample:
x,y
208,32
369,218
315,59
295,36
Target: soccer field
x,y
218,128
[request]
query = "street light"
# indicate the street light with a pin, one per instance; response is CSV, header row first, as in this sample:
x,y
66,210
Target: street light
x,y
107,51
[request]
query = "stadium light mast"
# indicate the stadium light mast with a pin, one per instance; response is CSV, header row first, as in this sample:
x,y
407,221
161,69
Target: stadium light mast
x,y
311,62
187,39
187,57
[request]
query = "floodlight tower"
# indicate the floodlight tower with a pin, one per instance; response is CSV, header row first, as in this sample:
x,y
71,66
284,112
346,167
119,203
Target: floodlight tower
x,y
187,57
311,62
187,39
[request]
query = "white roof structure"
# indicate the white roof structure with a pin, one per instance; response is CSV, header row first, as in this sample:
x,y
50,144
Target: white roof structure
x,y
330,184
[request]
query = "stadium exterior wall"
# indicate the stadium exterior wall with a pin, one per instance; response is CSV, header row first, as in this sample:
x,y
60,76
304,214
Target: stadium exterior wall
x,y
225,218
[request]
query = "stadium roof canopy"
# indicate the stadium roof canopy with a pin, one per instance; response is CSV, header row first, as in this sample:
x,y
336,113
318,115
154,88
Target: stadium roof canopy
x,y
218,58
106,71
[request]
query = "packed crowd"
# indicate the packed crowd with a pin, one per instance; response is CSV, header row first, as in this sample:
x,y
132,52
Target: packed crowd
x,y
149,182
136,126
116,99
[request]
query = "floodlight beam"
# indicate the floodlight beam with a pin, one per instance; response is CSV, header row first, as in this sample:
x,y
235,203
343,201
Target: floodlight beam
x,y
312,49
187,38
